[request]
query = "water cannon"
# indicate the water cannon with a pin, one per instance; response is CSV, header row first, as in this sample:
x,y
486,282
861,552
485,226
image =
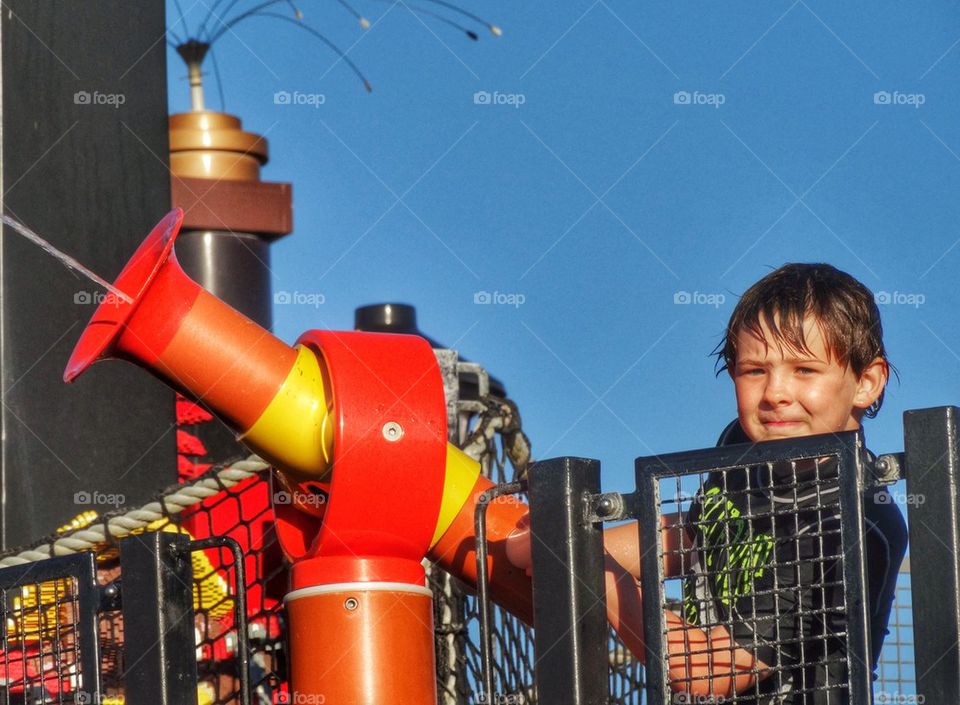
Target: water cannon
x,y
355,425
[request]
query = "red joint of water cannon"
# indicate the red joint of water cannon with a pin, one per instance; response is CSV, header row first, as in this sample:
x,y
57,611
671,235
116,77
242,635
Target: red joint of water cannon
x,y
389,461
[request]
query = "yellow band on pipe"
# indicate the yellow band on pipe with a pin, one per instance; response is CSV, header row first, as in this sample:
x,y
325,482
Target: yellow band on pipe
x,y
293,432
460,477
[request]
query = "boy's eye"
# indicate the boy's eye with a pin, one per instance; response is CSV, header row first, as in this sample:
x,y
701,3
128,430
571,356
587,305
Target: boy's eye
x,y
806,370
752,371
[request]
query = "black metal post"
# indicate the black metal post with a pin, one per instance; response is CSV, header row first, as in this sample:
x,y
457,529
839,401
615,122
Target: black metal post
x,y
932,455
569,614
852,483
159,650
651,570
83,119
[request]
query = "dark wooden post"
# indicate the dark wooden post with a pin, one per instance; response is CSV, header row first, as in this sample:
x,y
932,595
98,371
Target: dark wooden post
x,y
84,162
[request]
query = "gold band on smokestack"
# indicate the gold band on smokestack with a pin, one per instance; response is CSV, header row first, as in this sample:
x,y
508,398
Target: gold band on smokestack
x,y
212,145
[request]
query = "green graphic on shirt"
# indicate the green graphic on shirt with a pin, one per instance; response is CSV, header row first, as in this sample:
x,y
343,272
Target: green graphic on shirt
x,y
733,559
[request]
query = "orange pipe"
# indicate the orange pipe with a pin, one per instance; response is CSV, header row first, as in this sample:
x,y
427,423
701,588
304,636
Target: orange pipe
x,y
362,644
510,587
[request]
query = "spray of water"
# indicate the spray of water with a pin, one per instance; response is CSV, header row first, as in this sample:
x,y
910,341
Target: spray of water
x,y
65,259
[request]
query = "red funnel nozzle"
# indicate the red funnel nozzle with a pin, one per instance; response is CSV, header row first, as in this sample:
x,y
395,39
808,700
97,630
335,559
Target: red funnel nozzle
x,y
269,392
111,318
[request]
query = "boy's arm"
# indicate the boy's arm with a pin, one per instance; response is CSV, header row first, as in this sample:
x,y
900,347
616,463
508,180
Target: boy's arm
x,y
622,543
701,662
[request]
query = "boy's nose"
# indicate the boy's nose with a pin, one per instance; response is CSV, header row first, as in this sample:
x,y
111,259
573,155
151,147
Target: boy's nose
x,y
776,391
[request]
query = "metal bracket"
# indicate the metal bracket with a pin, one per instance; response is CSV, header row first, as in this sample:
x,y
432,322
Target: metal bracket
x,y
111,596
889,468
611,506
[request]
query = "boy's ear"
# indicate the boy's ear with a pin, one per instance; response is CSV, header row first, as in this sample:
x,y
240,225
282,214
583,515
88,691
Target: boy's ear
x,y
871,383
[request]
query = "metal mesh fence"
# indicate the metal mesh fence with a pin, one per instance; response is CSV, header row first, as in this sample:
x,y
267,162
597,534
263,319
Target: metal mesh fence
x,y
897,679
40,654
765,553
51,637
768,592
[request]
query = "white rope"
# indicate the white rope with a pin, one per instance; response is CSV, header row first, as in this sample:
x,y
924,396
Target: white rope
x,y
181,498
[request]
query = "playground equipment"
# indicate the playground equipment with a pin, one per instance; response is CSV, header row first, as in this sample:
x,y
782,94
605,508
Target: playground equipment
x,y
356,424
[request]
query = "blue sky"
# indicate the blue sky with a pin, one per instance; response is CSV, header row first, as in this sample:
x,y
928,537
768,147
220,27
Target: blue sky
x,y
618,158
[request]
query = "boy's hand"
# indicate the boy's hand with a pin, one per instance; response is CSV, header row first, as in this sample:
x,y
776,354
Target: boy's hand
x,y
518,545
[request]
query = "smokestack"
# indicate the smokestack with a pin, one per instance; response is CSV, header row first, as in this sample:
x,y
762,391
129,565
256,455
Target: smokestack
x,y
231,218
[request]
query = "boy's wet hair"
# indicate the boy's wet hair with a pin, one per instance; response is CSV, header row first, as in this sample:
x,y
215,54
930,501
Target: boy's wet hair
x,y
845,309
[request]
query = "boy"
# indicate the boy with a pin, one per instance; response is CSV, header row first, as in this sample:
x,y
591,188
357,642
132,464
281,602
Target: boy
x,y
804,347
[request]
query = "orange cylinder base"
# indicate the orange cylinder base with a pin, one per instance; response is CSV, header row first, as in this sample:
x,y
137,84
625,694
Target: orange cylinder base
x,y
362,644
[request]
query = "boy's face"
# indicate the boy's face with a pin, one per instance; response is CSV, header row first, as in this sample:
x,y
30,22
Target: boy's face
x,y
782,393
